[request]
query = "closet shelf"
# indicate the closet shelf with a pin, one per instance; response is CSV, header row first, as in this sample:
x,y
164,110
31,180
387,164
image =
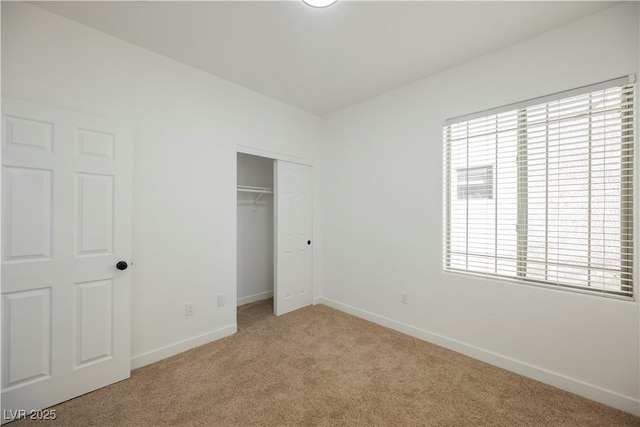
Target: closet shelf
x,y
249,189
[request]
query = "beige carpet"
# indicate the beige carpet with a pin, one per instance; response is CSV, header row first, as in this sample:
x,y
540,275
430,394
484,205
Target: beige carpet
x,y
317,366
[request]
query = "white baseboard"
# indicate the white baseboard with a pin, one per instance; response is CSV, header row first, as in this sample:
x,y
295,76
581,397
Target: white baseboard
x,y
158,354
590,391
254,298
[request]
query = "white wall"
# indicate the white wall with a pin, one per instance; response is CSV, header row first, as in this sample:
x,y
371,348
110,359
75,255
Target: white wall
x,y
255,230
187,126
382,219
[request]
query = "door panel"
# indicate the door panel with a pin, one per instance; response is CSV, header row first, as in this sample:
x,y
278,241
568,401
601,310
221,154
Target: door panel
x,y
27,232
66,222
94,317
23,133
294,275
94,144
27,326
95,214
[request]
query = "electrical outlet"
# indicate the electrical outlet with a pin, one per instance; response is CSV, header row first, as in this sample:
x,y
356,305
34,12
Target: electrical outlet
x,y
221,300
404,298
189,310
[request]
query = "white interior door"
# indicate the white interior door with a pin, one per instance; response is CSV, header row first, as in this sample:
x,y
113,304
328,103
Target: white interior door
x,y
66,223
294,225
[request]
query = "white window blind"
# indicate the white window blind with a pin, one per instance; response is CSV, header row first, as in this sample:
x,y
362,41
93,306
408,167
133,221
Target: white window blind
x,y
560,211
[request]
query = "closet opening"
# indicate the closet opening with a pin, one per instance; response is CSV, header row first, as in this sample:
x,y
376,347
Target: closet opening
x,y
255,229
274,232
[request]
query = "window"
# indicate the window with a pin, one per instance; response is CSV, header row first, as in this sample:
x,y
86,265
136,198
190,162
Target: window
x,y
475,183
542,191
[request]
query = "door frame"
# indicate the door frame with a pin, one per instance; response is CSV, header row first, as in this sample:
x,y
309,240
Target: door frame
x,y
274,156
245,149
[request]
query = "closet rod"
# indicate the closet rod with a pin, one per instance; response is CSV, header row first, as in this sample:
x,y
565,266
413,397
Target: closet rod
x,y
249,189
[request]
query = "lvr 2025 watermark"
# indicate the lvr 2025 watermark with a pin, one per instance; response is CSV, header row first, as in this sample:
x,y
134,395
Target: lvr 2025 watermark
x,y
22,414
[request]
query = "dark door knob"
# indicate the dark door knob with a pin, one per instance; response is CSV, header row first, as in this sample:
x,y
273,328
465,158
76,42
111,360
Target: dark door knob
x,y
121,265
308,242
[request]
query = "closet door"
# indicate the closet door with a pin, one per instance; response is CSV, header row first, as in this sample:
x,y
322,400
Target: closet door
x,y
294,224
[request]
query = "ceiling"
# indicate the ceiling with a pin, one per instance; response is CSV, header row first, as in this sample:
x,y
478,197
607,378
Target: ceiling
x,y
321,60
